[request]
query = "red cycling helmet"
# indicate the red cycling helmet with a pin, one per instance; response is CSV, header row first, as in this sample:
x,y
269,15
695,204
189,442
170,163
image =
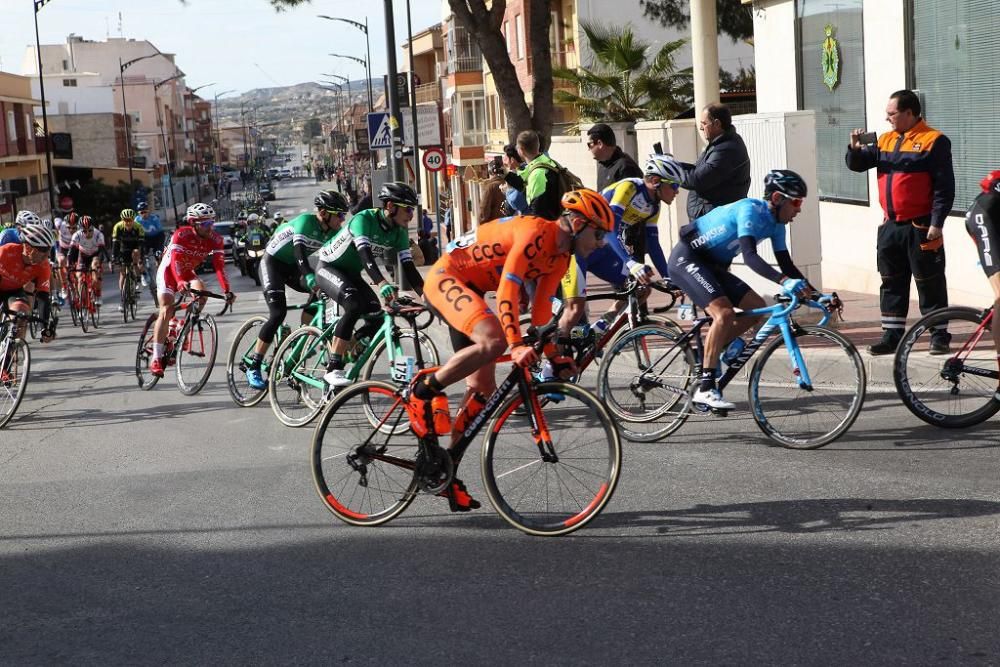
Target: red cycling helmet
x,y
86,222
991,182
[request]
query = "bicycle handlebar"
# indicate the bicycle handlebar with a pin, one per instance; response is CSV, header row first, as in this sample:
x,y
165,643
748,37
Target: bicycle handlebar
x,y
212,295
409,309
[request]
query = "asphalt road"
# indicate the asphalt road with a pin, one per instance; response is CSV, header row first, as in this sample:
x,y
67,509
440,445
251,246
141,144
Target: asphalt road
x,y
152,528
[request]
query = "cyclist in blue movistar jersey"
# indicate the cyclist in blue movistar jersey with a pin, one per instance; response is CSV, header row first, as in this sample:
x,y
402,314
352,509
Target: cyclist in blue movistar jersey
x,y
699,265
635,203
151,225
12,234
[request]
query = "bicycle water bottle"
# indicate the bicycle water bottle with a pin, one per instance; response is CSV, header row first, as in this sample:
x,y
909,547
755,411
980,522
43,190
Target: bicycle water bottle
x,y
173,328
733,351
441,414
580,332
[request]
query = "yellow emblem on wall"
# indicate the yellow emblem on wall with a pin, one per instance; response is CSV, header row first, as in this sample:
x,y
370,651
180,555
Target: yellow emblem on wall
x,y
831,59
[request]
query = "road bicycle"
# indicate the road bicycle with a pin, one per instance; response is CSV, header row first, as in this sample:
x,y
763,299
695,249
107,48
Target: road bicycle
x,y
296,388
238,360
803,399
953,391
81,292
548,468
15,361
150,263
129,292
191,346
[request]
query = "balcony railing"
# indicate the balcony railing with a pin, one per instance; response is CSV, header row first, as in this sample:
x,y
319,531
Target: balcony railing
x,y
466,64
429,92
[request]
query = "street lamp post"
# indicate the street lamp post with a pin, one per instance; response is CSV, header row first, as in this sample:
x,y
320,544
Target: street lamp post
x,y
128,130
396,159
45,117
218,131
371,153
363,27
163,139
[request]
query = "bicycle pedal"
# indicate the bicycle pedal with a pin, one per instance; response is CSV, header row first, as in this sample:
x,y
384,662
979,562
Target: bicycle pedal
x,y
720,412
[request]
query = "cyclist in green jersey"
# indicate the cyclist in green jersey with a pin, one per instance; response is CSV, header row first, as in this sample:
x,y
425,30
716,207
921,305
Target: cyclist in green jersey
x,y
286,263
371,235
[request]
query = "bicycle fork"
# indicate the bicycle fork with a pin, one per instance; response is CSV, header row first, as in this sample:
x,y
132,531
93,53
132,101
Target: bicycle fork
x,y
539,427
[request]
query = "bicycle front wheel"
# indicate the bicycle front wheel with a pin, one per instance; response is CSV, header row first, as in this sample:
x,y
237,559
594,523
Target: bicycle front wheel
x,y
954,390
645,380
295,383
239,360
144,355
807,417
13,378
196,354
84,306
364,471
556,485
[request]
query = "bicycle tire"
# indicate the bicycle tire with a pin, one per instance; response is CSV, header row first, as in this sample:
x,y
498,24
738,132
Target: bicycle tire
x,y
345,426
192,347
242,393
285,391
949,397
84,303
377,364
651,403
95,313
144,355
13,398
846,387
123,299
512,473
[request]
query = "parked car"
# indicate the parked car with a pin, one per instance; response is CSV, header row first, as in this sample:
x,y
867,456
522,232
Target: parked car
x,y
285,173
266,193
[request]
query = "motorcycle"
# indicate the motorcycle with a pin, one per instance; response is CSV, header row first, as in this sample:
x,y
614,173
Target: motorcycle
x,y
255,244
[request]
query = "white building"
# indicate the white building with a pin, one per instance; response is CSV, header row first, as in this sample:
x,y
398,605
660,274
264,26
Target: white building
x,y
945,49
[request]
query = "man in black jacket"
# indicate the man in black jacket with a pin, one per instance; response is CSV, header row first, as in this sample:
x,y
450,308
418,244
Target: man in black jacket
x,y
613,164
722,173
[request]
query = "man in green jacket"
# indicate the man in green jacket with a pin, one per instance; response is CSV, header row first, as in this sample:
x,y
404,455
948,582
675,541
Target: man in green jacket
x,y
539,179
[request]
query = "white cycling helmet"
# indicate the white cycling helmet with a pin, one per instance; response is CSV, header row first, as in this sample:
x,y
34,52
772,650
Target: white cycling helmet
x,y
666,167
48,223
25,218
37,236
253,217
200,212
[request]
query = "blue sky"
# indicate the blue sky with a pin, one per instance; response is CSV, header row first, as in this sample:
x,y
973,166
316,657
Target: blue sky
x,y
219,41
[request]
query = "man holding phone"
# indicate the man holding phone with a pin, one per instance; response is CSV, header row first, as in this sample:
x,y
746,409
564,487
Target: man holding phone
x,y
916,188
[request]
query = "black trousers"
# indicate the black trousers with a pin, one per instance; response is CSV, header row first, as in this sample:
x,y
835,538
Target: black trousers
x,y
903,252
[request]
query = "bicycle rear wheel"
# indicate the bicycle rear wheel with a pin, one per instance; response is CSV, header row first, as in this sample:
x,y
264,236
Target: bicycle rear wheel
x,y
144,355
239,360
955,390
13,378
379,366
800,417
196,354
362,460
562,489
645,379
84,306
295,383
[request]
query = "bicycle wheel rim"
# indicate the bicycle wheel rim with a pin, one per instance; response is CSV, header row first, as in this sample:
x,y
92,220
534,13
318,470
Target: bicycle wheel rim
x,y
379,364
807,418
941,390
379,485
144,355
196,354
645,381
239,356
557,497
12,387
295,401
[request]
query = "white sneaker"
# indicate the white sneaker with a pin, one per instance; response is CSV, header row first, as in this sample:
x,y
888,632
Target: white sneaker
x,y
121,309
98,301
337,378
145,283
713,399
63,294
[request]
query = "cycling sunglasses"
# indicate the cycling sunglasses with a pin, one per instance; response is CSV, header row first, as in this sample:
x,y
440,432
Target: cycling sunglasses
x,y
673,184
796,201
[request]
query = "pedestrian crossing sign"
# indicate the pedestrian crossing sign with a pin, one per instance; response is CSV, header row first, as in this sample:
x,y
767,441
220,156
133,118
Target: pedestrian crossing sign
x,y
379,130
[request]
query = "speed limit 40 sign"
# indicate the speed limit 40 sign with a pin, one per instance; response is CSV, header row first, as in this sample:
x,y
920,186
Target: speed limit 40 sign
x,y
433,159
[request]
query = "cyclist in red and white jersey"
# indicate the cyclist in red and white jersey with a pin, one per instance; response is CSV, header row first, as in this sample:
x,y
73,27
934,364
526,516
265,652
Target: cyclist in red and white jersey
x,y
65,228
188,248
87,248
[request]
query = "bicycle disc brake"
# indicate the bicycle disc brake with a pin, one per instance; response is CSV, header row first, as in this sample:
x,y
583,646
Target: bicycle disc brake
x,y
433,467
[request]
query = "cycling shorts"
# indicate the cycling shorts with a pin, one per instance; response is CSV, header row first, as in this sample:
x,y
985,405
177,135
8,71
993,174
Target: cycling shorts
x,y
982,227
703,280
458,304
603,263
166,281
84,260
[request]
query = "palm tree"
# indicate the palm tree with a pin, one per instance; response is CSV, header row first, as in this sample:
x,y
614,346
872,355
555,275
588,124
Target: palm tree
x,y
622,83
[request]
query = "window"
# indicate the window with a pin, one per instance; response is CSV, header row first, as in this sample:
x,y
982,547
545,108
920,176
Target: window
x,y
29,127
519,34
955,70
469,126
841,109
69,83
506,34
11,126
65,65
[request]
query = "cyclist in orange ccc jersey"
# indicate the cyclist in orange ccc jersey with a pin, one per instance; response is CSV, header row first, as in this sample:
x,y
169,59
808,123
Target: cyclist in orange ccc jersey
x,y
500,256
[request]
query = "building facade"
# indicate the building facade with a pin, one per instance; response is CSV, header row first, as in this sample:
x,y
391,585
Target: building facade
x,y
23,179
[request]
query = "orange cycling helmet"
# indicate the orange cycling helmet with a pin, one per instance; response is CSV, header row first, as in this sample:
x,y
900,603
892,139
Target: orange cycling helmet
x,y
591,205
